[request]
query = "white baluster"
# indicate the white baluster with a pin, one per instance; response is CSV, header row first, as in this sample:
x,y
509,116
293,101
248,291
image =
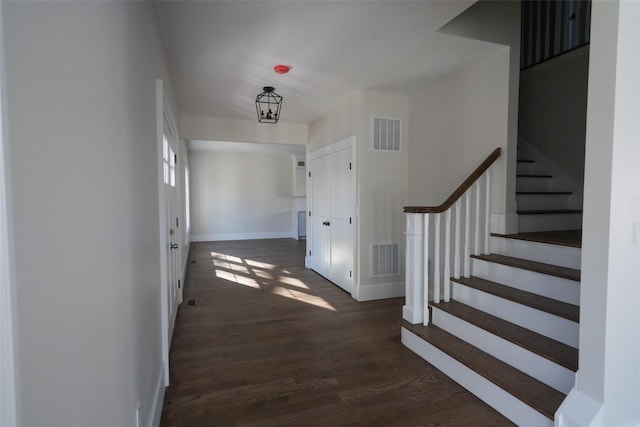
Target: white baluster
x,y
447,254
425,262
476,221
487,200
412,311
467,231
456,249
436,260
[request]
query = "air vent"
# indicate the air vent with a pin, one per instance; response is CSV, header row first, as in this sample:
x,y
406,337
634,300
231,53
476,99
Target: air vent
x,y
385,258
385,134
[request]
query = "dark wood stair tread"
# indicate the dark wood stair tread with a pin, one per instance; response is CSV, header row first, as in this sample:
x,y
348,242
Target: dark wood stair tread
x,y
534,393
546,193
539,302
525,161
535,266
571,238
541,345
549,211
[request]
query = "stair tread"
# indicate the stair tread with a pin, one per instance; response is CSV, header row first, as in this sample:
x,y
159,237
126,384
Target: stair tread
x,y
539,302
526,161
571,238
541,345
549,211
534,393
567,193
535,266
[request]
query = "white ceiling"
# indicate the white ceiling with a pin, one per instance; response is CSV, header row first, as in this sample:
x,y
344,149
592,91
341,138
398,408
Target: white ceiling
x,y
221,53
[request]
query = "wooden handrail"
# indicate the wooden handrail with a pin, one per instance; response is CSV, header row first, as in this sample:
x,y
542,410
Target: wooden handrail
x,y
460,190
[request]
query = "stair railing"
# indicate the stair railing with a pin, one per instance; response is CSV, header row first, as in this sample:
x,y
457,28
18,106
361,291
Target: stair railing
x,y
469,205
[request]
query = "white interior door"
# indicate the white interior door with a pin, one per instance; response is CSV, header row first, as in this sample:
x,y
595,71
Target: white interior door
x,y
173,238
341,218
320,210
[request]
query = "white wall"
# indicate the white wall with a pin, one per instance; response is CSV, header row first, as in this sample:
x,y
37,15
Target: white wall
x,y
240,195
218,129
553,110
381,181
456,122
499,22
82,143
608,383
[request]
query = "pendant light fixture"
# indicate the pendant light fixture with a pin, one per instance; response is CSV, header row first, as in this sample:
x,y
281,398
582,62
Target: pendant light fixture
x,y
268,105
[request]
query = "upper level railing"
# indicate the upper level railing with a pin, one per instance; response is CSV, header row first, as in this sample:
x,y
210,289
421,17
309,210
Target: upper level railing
x,y
429,252
552,27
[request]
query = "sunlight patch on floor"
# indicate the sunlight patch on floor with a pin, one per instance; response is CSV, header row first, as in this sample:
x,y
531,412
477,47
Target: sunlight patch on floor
x,y
302,297
237,278
293,282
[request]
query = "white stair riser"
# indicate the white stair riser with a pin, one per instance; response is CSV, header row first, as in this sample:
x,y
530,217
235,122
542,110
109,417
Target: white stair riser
x,y
505,403
549,222
540,368
563,256
555,327
541,284
542,201
524,183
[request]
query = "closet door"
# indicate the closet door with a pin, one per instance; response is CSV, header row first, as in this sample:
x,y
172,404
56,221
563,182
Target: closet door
x,y
331,204
319,208
340,218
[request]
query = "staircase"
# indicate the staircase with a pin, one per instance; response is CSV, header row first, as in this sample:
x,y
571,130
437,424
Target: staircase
x,y
509,333
545,202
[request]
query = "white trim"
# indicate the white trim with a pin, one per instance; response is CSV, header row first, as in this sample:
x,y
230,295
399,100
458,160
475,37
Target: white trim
x,y
504,402
498,223
378,291
241,236
578,409
155,411
9,396
163,242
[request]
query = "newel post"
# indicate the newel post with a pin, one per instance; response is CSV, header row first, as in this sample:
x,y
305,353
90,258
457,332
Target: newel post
x,y
413,309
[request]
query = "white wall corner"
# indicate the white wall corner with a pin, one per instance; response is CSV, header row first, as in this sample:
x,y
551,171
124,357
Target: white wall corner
x,y
378,291
579,410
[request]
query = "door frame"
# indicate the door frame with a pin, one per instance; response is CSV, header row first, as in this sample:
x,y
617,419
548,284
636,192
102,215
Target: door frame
x,y
348,142
9,397
163,113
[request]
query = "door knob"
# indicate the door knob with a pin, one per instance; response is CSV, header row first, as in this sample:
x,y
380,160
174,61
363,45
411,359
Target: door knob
x,y
174,246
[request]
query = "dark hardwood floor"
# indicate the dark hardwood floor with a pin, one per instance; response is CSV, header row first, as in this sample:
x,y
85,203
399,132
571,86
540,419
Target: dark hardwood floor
x,y
262,341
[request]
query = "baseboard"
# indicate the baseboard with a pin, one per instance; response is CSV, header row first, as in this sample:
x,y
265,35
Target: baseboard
x,y
155,412
241,236
379,291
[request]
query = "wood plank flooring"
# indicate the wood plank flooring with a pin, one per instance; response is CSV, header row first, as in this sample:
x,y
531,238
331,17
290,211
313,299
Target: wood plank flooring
x,y
270,343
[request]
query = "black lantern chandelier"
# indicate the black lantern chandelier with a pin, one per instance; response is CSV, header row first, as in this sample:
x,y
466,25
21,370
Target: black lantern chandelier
x,y
268,105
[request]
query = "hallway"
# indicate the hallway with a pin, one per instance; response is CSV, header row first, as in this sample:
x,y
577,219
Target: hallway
x,y
262,341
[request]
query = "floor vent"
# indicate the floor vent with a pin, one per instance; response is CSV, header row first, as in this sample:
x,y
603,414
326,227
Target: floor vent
x,y
385,259
385,134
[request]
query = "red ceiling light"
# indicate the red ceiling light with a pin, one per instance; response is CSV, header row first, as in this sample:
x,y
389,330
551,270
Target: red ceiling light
x,y
281,69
